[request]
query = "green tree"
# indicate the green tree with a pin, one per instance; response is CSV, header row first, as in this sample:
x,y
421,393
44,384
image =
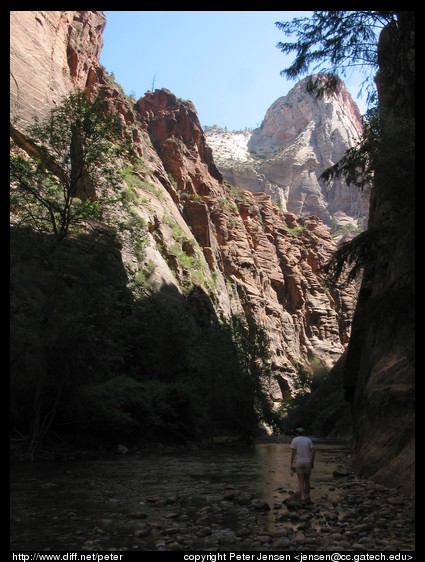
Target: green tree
x,y
252,346
232,362
62,168
331,43
68,302
380,43
62,172
383,326
220,387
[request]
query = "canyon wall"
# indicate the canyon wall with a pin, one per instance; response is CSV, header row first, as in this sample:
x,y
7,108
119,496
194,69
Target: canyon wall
x,y
301,135
247,255
379,370
235,250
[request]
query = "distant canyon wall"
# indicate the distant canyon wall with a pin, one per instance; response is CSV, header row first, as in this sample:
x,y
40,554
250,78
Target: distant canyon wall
x,y
301,135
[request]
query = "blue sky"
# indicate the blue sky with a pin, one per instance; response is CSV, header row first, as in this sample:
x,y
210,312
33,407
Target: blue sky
x,y
226,63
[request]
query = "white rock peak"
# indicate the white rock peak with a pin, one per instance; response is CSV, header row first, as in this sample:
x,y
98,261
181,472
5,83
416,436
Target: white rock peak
x,y
301,135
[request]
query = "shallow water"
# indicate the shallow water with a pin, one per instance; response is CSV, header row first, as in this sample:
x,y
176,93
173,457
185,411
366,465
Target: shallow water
x,y
64,505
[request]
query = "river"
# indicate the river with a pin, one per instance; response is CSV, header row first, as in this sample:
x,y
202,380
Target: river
x,y
231,498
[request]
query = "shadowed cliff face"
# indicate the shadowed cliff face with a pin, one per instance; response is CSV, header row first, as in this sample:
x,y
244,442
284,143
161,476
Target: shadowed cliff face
x,y
246,254
379,370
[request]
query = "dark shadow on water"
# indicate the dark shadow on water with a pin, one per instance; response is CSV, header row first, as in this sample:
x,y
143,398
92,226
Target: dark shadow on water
x,y
58,505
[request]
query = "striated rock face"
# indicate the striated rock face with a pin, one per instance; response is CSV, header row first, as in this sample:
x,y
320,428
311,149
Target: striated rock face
x,y
51,54
249,256
269,260
301,135
176,133
380,368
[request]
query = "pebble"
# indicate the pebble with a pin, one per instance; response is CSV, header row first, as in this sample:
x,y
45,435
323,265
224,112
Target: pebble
x,y
359,515
374,532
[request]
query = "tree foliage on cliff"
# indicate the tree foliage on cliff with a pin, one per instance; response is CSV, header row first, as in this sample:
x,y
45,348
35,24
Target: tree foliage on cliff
x,y
62,168
93,363
385,159
334,42
330,43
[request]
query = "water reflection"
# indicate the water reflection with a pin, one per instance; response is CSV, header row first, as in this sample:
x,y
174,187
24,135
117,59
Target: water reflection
x,y
274,481
57,505
273,459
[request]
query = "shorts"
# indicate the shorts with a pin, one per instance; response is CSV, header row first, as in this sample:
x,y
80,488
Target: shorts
x,y
303,467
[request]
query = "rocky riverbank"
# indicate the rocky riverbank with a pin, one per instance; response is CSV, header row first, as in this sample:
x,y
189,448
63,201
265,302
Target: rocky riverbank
x,y
366,517
206,501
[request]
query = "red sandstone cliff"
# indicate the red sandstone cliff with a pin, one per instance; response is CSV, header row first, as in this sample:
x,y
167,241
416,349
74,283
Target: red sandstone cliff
x,y
270,259
301,135
380,366
51,54
249,255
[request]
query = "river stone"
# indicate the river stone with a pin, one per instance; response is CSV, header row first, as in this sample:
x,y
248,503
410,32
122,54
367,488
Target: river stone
x,y
291,504
336,536
244,499
204,531
281,543
368,542
299,538
396,501
153,499
263,538
138,515
243,512
281,532
172,530
243,532
229,539
260,504
210,542
104,521
171,515
142,531
175,546
171,499
343,544
360,527
340,471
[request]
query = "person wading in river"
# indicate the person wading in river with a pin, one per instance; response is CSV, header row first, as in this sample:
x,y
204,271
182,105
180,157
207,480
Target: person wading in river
x,y
302,460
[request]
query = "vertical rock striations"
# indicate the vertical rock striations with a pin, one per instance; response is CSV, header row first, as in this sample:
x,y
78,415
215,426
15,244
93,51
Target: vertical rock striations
x,y
301,135
379,368
270,260
51,54
237,246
